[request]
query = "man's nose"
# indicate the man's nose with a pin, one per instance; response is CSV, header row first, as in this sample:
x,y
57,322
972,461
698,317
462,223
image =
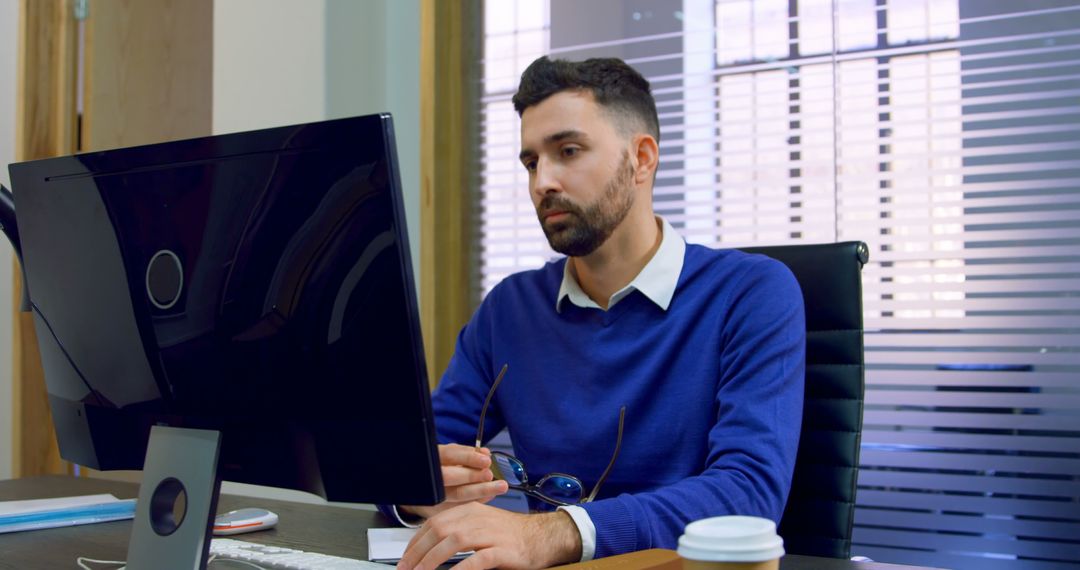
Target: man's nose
x,y
545,179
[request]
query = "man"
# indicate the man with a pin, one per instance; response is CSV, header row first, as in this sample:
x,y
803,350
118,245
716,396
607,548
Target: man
x,y
704,348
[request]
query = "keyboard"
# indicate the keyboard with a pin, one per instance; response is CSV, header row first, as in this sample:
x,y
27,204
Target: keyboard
x,y
280,558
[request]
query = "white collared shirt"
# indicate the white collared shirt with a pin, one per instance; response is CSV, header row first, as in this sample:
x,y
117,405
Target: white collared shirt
x,y
657,281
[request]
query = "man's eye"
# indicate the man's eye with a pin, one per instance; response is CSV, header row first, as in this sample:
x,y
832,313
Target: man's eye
x,y
530,165
570,151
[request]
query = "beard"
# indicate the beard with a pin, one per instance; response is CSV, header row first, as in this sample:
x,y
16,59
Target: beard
x,y
583,229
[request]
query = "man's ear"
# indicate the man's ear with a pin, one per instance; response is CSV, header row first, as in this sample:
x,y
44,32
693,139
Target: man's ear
x,y
646,158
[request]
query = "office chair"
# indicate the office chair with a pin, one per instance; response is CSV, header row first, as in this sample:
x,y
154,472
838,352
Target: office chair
x,y
818,517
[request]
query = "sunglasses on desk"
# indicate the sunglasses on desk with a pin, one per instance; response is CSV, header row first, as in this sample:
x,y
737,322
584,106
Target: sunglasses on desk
x,y
557,489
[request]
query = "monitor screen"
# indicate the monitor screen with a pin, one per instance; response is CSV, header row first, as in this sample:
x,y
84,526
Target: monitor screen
x,y
255,283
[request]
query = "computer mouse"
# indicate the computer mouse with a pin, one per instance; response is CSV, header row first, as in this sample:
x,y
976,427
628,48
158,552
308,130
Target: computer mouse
x,y
244,520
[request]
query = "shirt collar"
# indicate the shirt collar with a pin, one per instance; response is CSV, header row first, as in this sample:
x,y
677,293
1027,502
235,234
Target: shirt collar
x,y
657,280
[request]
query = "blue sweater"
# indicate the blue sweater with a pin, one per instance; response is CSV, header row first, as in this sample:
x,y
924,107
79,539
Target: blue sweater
x,y
713,390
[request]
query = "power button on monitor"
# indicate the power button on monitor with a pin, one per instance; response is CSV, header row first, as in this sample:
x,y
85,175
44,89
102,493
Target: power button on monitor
x,y
164,279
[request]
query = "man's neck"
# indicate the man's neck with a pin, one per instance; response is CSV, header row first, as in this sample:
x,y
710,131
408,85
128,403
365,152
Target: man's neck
x,y
615,263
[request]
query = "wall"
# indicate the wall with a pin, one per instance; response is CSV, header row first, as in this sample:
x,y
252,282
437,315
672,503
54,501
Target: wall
x,y
9,26
280,62
373,66
269,63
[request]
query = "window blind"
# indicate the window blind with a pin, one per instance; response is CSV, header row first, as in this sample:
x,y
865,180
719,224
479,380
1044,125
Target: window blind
x,y
946,135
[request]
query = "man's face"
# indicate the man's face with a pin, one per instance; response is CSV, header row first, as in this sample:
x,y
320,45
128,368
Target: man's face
x,y
580,175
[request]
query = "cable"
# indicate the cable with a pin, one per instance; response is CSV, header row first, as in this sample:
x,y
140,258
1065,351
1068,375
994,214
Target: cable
x,y
81,561
10,227
234,561
45,320
8,222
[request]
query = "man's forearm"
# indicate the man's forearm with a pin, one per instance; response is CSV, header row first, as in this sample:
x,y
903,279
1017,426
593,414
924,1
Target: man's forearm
x,y
560,537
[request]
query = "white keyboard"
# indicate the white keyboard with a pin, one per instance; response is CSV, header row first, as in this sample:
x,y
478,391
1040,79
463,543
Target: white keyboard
x,y
279,558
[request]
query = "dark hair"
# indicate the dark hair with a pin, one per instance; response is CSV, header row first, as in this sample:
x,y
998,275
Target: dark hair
x,y
614,85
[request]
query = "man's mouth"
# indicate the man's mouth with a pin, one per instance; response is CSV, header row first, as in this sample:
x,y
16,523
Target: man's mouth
x,y
555,215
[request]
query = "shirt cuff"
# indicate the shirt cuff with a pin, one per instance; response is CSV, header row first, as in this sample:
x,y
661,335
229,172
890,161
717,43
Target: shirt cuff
x,y
401,520
585,526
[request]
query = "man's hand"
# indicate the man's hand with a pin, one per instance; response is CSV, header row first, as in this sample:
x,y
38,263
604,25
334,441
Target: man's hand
x,y
500,539
467,477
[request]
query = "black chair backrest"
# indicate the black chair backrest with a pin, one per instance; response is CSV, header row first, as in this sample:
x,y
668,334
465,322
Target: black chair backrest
x,y
821,507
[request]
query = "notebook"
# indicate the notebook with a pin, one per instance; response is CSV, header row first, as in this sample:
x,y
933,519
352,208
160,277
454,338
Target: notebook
x,y
37,514
386,545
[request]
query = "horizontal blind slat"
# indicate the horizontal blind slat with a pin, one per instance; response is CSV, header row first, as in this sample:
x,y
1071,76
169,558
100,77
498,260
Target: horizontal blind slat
x,y
977,441
939,521
973,322
976,505
988,253
1062,423
940,398
954,357
989,545
1051,303
1020,342
947,559
962,378
970,462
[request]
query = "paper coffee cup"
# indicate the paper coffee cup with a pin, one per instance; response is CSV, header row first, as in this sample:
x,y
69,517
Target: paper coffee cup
x,y
731,542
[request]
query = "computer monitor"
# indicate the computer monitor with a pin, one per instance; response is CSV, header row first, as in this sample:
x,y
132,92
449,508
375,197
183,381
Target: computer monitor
x,y
256,284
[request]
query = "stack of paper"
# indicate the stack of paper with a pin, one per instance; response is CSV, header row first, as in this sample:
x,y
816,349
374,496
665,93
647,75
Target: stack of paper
x,y
386,545
65,511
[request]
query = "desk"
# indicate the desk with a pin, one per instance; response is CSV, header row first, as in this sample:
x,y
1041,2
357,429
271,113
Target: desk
x,y
315,528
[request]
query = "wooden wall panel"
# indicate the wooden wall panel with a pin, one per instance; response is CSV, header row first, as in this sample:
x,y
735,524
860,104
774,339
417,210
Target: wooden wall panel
x,y
46,125
149,66
449,59
147,72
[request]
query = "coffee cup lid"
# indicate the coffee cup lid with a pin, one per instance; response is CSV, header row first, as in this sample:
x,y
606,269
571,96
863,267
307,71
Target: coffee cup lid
x,y
731,539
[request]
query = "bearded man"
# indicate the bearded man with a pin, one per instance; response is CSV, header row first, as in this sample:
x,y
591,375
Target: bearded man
x,y
683,362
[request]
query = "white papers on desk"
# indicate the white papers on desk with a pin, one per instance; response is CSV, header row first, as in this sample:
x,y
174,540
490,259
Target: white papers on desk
x,y
388,544
64,511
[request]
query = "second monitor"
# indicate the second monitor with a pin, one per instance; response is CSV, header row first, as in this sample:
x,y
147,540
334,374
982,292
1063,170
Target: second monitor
x,y
257,284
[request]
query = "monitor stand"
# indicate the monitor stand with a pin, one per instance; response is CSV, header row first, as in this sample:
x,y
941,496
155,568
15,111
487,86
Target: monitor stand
x,y
174,515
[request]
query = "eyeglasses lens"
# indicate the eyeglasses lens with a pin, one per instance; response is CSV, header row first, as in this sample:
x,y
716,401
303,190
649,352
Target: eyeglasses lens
x,y
508,469
560,488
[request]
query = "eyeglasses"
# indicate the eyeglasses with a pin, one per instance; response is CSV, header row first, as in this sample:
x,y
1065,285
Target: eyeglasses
x,y
558,489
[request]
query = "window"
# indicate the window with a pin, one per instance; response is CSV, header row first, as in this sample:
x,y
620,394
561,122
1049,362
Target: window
x,y
941,132
515,34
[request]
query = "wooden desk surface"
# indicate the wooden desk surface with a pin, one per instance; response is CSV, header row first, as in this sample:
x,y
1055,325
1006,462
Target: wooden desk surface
x,y
315,528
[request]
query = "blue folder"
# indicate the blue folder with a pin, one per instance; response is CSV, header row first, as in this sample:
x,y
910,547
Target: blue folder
x,y
68,516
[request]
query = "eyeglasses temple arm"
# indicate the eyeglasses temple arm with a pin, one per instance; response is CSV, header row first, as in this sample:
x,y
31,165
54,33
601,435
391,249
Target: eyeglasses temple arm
x,y
614,456
483,411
